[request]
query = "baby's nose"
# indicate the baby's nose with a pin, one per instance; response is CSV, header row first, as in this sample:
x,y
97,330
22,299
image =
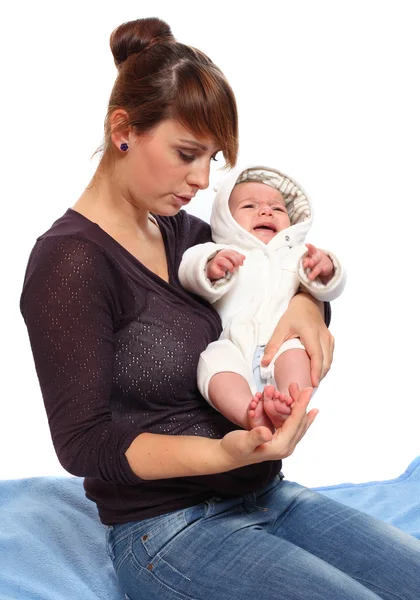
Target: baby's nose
x,y
266,209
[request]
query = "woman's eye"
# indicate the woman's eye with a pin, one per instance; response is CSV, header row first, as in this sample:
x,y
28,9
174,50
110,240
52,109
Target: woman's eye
x,y
186,157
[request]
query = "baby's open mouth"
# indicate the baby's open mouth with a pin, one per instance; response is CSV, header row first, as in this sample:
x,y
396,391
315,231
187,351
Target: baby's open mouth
x,y
267,227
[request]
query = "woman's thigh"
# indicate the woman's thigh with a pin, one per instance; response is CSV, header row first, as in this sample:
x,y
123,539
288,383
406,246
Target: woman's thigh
x,y
223,550
377,555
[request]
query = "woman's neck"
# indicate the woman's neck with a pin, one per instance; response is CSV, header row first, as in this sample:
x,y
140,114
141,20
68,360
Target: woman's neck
x,y
105,203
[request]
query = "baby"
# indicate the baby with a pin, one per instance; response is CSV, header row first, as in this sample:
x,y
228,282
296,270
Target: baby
x,y
259,262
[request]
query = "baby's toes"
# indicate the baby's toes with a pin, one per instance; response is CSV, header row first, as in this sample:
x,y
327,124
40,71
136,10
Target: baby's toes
x,y
269,392
281,407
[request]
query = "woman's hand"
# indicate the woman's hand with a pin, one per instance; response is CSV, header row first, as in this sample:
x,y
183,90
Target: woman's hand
x,y
186,456
260,444
304,319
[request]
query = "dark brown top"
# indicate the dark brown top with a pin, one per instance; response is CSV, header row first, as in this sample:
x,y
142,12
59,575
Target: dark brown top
x,y
116,351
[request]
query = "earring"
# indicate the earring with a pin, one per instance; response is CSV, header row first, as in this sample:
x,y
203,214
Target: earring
x,y
124,147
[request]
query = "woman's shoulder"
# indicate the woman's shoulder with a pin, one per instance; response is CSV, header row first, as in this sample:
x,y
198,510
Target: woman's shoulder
x,y
72,248
71,238
70,223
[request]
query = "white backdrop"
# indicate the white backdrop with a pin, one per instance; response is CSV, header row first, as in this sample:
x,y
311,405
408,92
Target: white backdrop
x,y
327,91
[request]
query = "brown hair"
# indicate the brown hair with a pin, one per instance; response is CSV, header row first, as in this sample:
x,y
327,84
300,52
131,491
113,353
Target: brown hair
x,y
160,78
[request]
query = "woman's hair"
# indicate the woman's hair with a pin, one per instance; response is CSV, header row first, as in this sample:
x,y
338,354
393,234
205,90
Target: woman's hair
x,y
160,78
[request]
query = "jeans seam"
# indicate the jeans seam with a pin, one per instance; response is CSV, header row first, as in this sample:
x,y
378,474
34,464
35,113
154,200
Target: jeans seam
x,y
123,536
287,512
376,589
161,559
210,504
108,546
159,582
126,554
167,547
165,522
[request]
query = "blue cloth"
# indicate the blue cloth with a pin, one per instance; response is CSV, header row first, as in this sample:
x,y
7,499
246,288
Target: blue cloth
x,y
396,501
52,545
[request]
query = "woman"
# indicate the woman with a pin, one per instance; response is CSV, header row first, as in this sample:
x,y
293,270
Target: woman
x,y
196,508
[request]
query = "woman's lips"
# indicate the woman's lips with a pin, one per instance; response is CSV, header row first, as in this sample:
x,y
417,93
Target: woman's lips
x,y
183,199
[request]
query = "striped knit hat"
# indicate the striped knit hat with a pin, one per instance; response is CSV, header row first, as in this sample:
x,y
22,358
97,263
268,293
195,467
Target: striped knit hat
x,y
297,204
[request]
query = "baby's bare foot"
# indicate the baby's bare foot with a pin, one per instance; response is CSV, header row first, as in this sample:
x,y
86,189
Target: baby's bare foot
x,y
284,398
276,405
256,414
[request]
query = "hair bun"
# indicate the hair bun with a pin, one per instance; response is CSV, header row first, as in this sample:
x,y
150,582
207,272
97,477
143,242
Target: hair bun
x,y
135,36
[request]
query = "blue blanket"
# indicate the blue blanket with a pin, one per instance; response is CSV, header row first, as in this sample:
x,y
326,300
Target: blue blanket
x,y
52,545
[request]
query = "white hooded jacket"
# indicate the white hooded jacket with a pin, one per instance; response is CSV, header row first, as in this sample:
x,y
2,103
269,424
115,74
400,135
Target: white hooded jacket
x,y
252,299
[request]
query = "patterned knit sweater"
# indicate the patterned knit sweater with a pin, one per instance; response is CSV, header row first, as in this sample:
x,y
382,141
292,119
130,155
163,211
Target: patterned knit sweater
x,y
116,351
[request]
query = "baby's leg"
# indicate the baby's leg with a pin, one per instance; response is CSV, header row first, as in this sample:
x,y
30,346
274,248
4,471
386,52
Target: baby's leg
x,y
231,395
291,366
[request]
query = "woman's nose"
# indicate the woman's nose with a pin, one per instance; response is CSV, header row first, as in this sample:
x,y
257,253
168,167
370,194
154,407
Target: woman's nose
x,y
199,176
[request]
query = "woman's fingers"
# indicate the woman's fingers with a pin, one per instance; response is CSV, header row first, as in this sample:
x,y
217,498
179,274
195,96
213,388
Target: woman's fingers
x,y
242,445
258,436
311,418
294,428
319,344
294,391
327,343
280,335
314,348
300,420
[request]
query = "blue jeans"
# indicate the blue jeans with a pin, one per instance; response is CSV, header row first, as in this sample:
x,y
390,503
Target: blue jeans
x,y
283,542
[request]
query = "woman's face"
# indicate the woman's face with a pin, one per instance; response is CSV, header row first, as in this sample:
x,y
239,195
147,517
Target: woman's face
x,y
164,168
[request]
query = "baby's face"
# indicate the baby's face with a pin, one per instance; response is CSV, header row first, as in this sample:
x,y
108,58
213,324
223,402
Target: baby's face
x,y
259,208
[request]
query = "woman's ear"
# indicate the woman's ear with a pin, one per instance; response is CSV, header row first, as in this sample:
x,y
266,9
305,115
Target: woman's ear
x,y
120,129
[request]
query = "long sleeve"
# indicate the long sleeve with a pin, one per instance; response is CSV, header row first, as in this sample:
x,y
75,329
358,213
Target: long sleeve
x,y
192,272
317,289
70,309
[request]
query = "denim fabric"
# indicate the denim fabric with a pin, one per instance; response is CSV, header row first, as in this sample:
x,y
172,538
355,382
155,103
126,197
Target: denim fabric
x,y
284,542
258,380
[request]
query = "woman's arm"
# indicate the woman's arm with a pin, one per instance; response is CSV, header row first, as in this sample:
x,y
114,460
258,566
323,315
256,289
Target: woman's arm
x,y
152,456
305,318
70,309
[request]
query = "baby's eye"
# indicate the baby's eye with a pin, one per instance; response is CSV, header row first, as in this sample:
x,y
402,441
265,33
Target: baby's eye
x,y
279,208
248,206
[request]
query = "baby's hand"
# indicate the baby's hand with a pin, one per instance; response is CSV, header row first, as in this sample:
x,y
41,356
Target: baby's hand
x,y
319,264
225,261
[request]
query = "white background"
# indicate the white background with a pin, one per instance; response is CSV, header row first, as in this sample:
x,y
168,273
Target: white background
x,y
328,92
